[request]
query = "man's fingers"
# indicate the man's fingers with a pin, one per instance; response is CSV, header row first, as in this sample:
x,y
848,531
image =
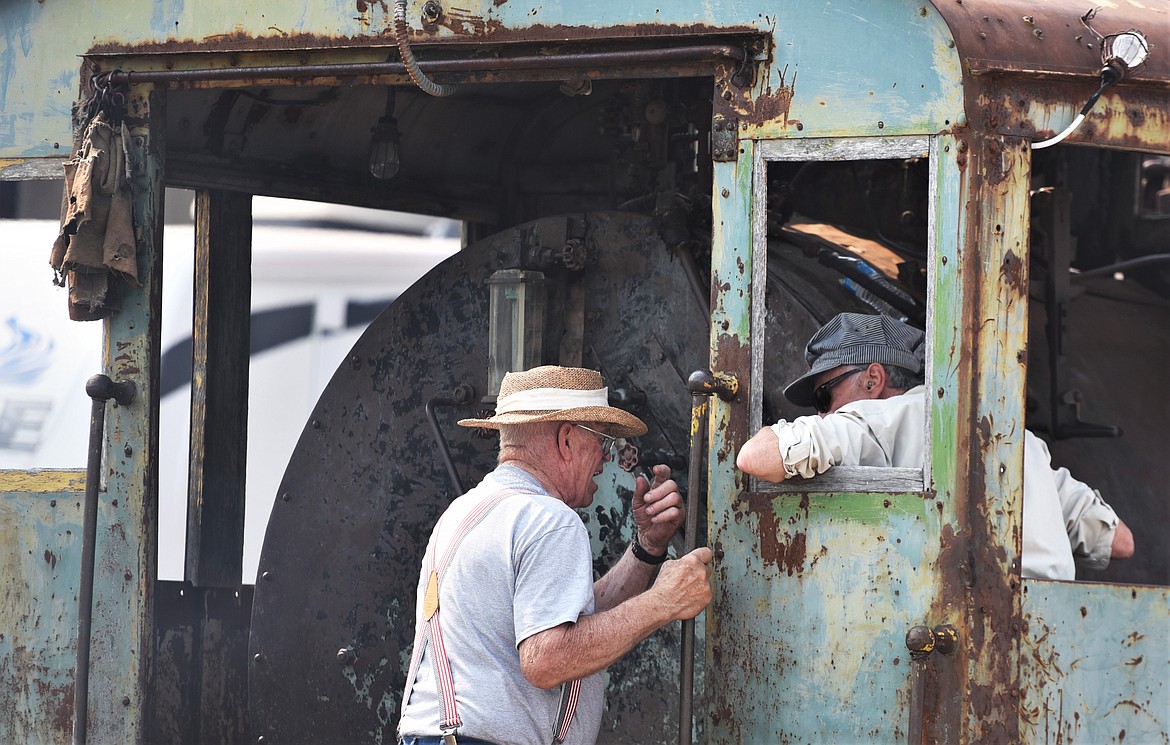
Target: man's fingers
x,y
703,554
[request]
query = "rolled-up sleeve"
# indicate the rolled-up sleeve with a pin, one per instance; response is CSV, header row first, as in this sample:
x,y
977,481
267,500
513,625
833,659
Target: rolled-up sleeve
x,y
1090,522
810,445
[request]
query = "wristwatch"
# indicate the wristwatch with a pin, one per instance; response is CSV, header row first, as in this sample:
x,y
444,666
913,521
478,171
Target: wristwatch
x,y
645,556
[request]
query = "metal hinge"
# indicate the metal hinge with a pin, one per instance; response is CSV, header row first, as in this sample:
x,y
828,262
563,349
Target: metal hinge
x,y
724,138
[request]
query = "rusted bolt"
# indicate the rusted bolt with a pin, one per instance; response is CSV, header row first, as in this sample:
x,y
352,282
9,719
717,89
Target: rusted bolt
x,y
128,450
922,11
346,656
125,701
128,576
1038,33
982,35
431,12
56,146
725,193
940,393
881,125
920,641
725,324
1029,20
946,637
726,95
718,126
464,393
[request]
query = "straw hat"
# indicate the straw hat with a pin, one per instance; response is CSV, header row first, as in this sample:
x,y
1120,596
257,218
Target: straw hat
x,y
857,339
558,394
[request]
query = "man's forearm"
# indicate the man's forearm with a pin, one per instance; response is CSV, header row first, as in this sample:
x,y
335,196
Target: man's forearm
x,y
623,581
576,650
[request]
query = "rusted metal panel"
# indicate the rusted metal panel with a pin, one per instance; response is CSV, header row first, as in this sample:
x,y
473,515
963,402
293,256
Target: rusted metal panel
x,y
947,387
1029,67
1050,39
1124,117
901,74
128,521
980,327
815,595
40,529
1095,664
913,89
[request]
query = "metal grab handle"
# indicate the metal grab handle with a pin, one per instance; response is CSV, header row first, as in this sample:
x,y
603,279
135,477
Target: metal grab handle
x,y
101,389
702,384
463,395
922,642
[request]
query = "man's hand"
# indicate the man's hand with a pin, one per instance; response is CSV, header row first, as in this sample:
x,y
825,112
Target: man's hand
x,y
684,586
658,510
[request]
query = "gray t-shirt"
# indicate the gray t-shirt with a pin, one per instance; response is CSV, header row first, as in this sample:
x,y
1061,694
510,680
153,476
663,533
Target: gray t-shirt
x,y
525,568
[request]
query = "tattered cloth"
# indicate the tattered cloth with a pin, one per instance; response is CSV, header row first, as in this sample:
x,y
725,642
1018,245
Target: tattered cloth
x,y
96,241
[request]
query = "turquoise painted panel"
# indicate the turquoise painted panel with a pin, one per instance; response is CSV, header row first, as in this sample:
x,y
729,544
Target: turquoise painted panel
x,y
41,566
1095,664
818,593
901,73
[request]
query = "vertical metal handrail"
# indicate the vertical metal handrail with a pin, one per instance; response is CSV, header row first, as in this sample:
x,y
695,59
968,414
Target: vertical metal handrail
x,y
922,642
702,384
101,389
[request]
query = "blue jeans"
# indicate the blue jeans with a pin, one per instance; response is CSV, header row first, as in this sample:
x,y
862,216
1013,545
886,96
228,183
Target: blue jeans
x,y
437,740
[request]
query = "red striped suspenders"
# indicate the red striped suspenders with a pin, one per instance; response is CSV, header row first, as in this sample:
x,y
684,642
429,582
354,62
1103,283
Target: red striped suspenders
x,y
430,632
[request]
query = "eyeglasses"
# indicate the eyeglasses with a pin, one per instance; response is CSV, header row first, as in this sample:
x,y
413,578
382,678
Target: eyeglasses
x,y
823,393
606,441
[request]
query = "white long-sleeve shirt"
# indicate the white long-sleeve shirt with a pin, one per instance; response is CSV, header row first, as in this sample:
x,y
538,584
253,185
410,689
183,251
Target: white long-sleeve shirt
x,y
1066,522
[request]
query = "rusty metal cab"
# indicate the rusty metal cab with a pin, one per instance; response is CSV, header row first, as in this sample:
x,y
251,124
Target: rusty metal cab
x,y
693,183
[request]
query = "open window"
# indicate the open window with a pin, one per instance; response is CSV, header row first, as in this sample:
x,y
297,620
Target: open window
x,y
840,225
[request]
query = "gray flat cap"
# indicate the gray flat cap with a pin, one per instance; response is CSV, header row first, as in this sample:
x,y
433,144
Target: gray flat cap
x,y
857,339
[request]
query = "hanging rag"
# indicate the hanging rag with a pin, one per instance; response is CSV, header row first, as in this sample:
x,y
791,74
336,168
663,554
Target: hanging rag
x,y
96,244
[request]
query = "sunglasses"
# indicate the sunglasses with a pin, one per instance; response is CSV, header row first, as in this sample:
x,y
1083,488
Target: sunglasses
x,y
606,441
823,393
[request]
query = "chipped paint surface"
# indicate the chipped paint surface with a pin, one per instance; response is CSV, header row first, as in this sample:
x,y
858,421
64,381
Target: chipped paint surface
x,y
1094,664
40,529
915,90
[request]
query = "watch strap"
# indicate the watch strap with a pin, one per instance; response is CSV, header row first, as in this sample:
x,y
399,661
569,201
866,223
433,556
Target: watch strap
x,y
645,556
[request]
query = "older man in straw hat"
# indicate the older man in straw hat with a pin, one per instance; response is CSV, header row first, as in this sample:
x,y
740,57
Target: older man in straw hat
x,y
866,383
513,632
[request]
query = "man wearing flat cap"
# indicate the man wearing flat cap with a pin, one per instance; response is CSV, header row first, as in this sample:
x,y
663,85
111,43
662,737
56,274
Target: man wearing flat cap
x,y
513,631
865,381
